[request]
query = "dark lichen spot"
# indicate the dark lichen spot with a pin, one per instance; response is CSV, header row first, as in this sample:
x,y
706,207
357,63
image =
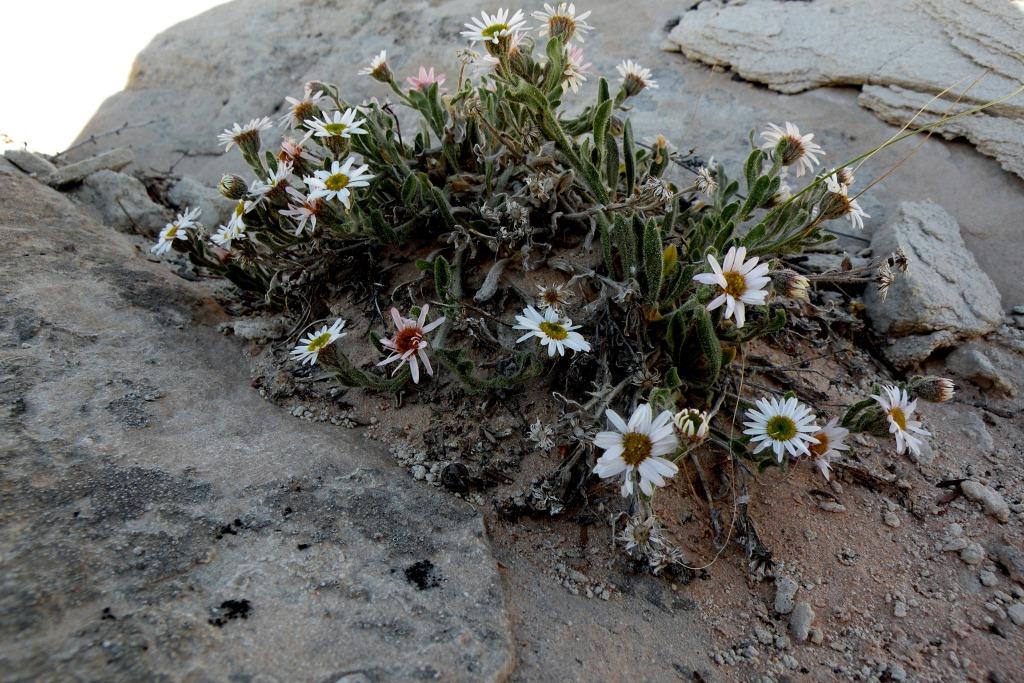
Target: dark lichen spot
x,y
230,610
423,575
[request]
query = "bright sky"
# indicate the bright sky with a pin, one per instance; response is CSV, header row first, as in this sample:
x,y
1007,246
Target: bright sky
x,y
61,58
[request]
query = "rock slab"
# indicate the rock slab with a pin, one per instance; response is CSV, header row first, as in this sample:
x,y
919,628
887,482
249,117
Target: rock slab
x,y
891,47
114,160
160,521
944,298
121,201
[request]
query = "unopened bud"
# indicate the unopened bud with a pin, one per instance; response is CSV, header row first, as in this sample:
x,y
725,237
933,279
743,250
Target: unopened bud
x,y
790,284
692,424
232,186
934,389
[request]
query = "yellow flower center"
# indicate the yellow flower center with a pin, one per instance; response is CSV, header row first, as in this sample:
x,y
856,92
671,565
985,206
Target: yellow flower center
x,y
336,128
338,181
781,428
172,231
554,330
897,416
636,448
240,208
318,342
735,283
493,29
819,449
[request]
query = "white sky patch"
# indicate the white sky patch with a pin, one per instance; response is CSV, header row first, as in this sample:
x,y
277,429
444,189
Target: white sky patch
x,y
62,58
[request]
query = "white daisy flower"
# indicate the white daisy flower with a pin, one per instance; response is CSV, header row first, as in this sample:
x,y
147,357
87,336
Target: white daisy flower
x,y
784,424
226,234
831,440
692,424
337,125
742,282
338,181
302,210
491,28
409,345
837,203
576,69
634,77
844,176
561,21
274,181
307,351
898,408
554,331
301,109
799,149
378,68
244,136
175,230
637,449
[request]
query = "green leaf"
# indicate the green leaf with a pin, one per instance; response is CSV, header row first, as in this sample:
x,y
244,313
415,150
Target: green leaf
x,y
443,279
629,157
653,265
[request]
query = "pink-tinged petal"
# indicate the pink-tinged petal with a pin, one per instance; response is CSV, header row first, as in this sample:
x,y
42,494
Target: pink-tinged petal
x,y
426,362
396,316
415,368
433,325
423,315
390,359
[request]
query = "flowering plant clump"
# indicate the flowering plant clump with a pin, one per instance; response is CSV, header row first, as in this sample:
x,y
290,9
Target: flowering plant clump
x,y
654,270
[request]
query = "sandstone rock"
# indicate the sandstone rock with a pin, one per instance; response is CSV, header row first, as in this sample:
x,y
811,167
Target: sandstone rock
x,y
259,328
30,162
792,47
1016,613
1012,560
163,522
970,362
990,499
114,160
121,201
189,192
944,298
785,590
801,619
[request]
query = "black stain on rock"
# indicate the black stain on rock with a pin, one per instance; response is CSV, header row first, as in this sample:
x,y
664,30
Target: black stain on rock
x,y
229,610
423,575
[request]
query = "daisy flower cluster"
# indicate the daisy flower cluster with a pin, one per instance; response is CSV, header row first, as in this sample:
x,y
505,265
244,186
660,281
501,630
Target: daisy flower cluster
x,y
524,235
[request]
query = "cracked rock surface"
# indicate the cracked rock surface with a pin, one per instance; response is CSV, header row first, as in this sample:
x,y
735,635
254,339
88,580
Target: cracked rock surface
x,y
902,51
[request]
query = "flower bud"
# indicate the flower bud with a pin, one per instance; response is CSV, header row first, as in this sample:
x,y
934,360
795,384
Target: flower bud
x,y
692,424
934,389
790,284
232,186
